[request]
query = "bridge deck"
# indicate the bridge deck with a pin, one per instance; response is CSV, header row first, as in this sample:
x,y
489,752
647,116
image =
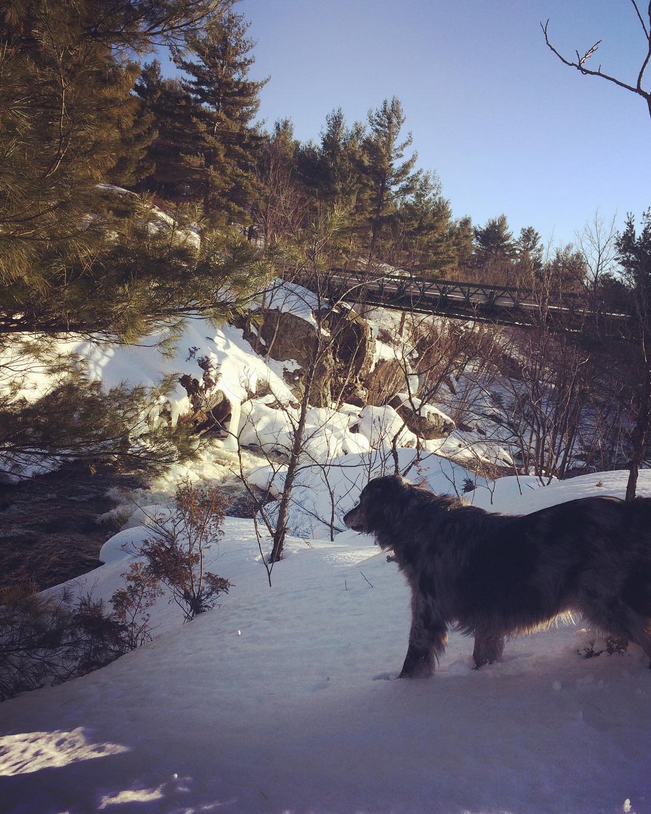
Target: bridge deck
x,y
503,305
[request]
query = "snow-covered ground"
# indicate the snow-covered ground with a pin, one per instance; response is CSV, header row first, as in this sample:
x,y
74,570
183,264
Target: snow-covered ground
x,y
282,700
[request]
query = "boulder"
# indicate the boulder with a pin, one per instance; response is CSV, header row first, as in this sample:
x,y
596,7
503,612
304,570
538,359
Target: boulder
x,y
426,421
385,380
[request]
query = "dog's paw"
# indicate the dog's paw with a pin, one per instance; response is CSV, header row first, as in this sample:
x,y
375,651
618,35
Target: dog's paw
x,y
418,673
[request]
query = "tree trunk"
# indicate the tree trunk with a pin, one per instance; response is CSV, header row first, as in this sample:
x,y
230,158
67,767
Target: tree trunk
x,y
297,444
640,434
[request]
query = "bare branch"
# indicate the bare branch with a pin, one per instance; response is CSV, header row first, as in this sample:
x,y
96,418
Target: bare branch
x,y
581,60
639,16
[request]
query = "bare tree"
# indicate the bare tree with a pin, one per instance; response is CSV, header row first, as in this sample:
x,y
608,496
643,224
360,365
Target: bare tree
x,y
330,353
596,242
580,60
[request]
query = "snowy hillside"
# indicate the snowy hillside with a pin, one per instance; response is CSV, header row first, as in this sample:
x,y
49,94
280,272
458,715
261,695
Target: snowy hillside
x,y
262,411
282,700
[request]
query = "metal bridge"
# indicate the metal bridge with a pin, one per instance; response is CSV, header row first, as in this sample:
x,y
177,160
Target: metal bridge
x,y
502,305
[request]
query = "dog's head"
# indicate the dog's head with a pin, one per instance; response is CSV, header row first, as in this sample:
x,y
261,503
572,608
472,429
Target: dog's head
x,y
381,506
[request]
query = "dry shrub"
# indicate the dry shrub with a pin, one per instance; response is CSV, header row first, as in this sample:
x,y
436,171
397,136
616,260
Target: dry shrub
x,y
46,639
174,557
49,638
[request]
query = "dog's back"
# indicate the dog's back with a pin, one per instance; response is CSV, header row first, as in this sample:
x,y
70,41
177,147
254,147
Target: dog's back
x,y
591,555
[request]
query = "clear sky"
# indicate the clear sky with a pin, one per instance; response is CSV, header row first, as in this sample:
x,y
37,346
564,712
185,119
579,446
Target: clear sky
x,y
505,125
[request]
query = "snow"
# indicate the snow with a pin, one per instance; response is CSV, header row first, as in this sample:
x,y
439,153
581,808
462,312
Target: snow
x,y
265,422
327,432
161,221
426,410
237,371
286,297
470,448
383,427
283,700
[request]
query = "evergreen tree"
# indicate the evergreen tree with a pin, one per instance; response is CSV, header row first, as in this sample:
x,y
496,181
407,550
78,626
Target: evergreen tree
x,y
65,104
227,101
566,271
427,240
634,254
330,175
340,155
462,237
136,135
528,261
282,208
387,179
529,250
495,252
74,256
173,167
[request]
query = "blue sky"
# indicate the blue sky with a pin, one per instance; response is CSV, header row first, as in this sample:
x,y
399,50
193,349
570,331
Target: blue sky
x,y
507,128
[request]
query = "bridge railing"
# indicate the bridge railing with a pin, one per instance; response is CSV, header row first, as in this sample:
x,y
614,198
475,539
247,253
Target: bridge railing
x,y
571,311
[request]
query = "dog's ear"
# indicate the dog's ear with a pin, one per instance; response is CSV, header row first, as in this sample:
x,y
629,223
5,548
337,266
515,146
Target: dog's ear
x,y
392,499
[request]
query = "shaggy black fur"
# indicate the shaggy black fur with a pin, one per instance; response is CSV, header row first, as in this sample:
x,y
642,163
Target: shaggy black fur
x,y
496,575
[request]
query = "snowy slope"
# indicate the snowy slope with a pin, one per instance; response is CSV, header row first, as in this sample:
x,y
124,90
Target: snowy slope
x,y
277,702
242,375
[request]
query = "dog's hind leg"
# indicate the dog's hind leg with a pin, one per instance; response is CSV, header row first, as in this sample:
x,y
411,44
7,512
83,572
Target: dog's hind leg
x,y
488,648
623,622
641,635
427,640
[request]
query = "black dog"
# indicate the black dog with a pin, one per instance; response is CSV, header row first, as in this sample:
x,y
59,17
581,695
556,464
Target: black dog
x,y
496,575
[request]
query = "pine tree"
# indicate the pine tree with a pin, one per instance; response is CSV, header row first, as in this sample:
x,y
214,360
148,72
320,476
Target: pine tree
x,y
282,208
461,236
426,239
65,104
529,252
566,271
136,134
388,179
75,256
330,175
634,255
340,155
227,101
173,167
495,252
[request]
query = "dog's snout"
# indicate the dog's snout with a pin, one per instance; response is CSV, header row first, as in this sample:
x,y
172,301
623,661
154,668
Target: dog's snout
x,y
351,519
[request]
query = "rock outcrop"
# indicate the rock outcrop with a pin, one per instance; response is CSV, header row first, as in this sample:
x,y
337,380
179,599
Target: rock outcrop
x,y
338,341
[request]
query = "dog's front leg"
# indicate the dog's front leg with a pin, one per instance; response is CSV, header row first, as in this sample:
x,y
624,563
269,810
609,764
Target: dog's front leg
x,y
427,639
